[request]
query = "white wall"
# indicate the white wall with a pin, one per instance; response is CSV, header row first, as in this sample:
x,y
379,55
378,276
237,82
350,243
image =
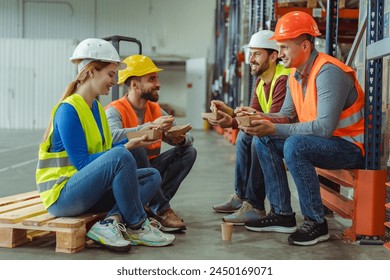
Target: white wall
x,y
33,76
173,89
169,30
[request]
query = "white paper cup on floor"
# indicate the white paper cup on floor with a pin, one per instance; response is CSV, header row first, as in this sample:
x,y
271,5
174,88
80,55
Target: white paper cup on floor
x,y
227,230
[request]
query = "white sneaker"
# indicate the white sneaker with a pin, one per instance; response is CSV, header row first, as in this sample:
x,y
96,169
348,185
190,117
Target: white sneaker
x,y
109,234
149,235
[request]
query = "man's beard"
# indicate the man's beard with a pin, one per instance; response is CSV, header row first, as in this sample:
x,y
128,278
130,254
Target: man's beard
x,y
264,67
149,95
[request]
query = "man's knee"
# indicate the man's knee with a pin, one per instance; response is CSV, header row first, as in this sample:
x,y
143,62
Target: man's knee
x,y
260,142
243,138
294,146
190,153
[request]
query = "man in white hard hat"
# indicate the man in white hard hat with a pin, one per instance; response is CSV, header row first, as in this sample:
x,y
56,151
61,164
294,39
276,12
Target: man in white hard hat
x,y
321,124
247,202
139,109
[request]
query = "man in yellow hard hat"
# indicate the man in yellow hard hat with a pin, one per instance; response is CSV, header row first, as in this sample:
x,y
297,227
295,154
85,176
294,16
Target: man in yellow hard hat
x,y
321,124
139,109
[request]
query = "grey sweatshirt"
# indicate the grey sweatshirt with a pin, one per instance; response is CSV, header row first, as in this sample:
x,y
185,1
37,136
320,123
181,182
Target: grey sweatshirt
x,y
335,92
119,133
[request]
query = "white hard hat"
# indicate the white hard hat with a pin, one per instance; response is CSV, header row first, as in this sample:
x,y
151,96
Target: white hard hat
x,y
261,40
96,49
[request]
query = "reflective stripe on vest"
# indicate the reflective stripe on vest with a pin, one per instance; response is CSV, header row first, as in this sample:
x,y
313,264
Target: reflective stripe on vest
x,y
54,162
130,119
264,104
351,120
48,185
54,168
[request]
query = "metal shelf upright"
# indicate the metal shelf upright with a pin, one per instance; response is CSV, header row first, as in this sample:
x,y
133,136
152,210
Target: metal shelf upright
x,y
332,24
257,14
220,43
234,45
115,41
373,88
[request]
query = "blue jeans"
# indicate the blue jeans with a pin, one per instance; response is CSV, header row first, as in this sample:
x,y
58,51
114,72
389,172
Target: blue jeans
x,y
111,183
302,153
248,179
173,165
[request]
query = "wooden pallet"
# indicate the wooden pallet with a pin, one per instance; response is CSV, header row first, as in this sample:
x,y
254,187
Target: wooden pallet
x,y
24,218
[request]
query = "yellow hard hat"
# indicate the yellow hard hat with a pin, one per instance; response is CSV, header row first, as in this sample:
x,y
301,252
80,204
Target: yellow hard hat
x,y
137,65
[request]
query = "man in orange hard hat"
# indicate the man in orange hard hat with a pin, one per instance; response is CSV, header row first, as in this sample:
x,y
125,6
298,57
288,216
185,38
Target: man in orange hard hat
x,y
320,124
138,110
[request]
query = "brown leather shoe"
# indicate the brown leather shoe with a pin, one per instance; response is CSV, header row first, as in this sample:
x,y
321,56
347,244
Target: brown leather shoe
x,y
149,212
170,221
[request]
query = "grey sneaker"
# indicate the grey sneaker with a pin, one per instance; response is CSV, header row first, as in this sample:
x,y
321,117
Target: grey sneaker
x,y
232,204
245,214
149,235
109,234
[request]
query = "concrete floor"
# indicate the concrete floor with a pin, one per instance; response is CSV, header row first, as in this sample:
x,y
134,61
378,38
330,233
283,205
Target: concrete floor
x,y
210,182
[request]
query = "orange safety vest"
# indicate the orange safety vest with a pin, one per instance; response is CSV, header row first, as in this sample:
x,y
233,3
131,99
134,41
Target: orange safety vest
x,y
351,120
130,119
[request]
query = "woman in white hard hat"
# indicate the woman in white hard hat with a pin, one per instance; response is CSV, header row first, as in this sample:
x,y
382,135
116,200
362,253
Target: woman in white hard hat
x,y
79,170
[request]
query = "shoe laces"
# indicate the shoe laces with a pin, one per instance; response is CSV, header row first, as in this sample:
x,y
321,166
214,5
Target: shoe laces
x,y
231,197
155,226
118,228
308,225
244,208
270,216
154,223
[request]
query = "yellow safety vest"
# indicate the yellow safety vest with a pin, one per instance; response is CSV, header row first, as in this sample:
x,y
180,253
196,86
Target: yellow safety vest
x,y
264,104
55,169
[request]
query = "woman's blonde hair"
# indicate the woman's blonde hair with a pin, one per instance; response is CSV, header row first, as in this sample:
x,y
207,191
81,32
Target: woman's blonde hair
x,y
81,78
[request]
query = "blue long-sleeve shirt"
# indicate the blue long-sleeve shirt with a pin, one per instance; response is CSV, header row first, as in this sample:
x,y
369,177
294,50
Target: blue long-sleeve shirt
x,y
68,135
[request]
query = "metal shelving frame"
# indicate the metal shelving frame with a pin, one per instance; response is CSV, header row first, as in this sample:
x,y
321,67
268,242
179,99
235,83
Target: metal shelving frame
x,y
115,40
234,45
332,13
257,14
376,49
220,50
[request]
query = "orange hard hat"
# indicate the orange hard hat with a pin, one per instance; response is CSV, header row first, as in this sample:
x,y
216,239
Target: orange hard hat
x,y
293,24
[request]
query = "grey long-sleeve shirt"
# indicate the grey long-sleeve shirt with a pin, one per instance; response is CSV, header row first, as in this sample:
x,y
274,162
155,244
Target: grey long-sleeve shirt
x,y
119,133
335,92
